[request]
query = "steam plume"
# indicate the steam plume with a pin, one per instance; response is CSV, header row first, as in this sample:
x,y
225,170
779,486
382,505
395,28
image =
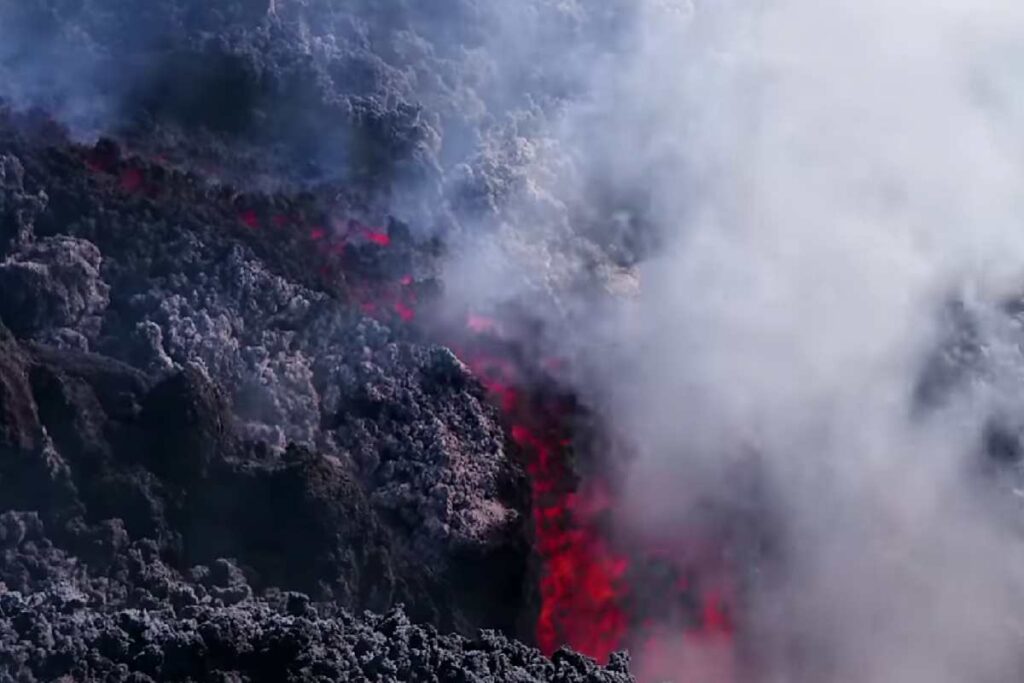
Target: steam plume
x,y
823,179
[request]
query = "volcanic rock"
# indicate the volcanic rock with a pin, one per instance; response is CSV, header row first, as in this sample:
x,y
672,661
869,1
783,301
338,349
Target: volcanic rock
x,y
222,435
216,407
54,285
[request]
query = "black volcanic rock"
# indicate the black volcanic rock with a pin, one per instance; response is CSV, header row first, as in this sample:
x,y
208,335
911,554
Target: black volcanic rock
x,y
19,421
189,425
122,576
191,290
17,209
54,283
53,633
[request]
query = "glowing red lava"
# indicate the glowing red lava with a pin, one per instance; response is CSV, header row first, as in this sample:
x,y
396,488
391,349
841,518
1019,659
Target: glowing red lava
x,y
582,579
249,219
377,237
582,583
404,312
131,179
589,593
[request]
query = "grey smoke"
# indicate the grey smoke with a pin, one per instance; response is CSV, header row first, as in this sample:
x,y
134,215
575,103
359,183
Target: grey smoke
x,y
823,178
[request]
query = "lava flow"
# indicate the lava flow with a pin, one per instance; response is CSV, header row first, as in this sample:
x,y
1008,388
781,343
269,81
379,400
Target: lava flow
x,y
590,595
581,585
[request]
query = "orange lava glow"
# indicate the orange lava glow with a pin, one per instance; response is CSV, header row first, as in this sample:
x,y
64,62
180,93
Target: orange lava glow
x,y
589,590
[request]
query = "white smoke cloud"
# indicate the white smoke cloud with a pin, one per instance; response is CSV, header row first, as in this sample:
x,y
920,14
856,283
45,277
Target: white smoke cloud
x,y
824,177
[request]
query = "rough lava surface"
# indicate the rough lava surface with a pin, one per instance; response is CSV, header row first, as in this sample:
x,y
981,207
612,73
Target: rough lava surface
x,y
208,468
219,460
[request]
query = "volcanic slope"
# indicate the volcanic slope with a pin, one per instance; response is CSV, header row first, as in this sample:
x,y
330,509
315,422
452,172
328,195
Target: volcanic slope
x,y
210,458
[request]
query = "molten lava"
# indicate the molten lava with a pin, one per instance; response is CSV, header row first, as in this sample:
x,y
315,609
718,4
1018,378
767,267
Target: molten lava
x,y
249,219
590,595
581,584
377,237
131,179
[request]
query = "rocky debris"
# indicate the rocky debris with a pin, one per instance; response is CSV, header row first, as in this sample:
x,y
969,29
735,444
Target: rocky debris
x,y
206,632
89,439
53,287
17,209
143,489
424,112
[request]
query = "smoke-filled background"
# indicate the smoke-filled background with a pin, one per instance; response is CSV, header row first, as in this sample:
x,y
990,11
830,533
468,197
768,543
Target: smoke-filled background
x,y
778,240
833,192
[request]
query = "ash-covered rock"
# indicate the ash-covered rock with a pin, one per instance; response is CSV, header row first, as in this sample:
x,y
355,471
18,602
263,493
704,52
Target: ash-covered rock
x,y
53,289
95,439
17,209
175,628
421,109
142,490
